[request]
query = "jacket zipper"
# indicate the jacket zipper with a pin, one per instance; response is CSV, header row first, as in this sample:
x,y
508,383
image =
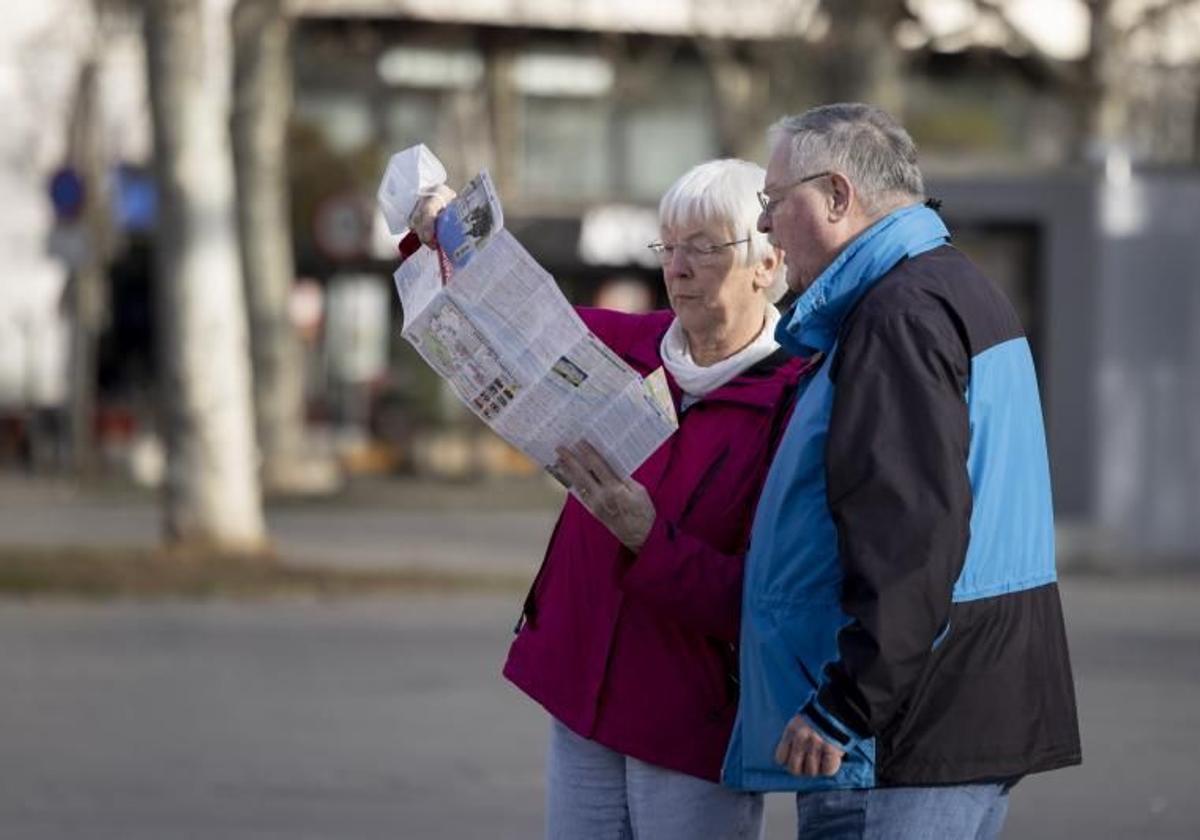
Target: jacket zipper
x,y
694,498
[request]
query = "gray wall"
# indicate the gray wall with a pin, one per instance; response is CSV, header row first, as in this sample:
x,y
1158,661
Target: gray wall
x,y
1147,374
1118,296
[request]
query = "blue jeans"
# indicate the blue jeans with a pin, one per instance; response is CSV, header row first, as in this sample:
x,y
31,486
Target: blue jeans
x,y
594,793
962,812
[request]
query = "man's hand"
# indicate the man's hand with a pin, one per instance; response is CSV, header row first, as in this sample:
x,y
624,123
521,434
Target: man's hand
x,y
805,753
622,505
423,218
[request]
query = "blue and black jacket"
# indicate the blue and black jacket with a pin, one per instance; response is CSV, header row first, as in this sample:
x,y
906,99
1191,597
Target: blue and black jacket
x,y
900,589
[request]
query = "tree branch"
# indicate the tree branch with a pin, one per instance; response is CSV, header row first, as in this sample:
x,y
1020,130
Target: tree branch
x,y
1155,15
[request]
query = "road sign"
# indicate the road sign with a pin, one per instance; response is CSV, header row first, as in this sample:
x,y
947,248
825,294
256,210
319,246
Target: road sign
x,y
67,193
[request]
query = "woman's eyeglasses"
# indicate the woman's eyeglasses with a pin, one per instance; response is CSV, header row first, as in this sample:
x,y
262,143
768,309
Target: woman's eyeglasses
x,y
692,251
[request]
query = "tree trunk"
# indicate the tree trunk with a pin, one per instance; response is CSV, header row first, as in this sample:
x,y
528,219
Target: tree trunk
x,y
862,61
212,497
88,280
741,100
1106,86
262,96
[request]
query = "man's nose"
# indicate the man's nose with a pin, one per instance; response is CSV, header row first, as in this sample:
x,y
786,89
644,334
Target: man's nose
x,y
764,222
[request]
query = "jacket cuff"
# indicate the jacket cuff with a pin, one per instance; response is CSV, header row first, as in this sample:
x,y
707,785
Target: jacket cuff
x,y
832,730
660,538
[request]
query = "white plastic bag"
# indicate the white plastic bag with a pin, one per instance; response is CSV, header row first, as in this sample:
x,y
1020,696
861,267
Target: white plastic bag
x,y
410,174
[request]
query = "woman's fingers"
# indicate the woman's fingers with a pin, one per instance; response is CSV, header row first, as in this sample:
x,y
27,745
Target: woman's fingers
x,y
423,219
577,474
623,505
596,464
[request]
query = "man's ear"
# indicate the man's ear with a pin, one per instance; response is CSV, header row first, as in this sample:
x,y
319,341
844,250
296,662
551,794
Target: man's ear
x,y
840,198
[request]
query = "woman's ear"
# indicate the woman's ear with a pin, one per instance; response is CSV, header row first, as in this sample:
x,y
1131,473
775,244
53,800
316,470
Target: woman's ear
x,y
766,268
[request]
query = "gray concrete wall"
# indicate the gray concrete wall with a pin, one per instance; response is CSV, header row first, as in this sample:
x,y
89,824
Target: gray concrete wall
x,y
1119,304
1148,367
1066,269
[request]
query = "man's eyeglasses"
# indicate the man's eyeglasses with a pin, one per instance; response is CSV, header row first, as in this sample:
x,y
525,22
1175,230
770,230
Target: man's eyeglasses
x,y
769,204
693,251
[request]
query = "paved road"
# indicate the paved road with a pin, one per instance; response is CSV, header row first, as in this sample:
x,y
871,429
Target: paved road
x,y
500,528
386,719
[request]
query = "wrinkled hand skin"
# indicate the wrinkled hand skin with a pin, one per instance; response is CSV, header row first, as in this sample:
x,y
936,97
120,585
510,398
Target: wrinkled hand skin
x,y
805,753
621,504
424,215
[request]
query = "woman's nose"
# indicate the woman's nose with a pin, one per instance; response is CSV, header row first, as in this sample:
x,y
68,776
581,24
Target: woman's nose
x,y
677,263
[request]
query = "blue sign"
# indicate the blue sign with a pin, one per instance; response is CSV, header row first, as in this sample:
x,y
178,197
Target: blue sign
x,y
67,193
135,199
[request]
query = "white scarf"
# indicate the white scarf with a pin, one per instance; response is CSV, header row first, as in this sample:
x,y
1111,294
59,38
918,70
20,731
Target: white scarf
x,y
696,381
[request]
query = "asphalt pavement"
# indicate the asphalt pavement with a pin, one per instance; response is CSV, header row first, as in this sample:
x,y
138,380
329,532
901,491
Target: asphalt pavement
x,y
388,719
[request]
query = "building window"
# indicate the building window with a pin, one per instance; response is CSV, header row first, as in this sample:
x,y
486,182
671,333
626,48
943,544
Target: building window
x,y
430,67
592,130
343,120
565,149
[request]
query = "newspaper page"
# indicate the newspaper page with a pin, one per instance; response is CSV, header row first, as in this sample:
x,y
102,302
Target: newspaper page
x,y
470,221
516,352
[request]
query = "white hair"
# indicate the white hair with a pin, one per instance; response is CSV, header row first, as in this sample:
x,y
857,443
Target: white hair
x,y
863,142
724,192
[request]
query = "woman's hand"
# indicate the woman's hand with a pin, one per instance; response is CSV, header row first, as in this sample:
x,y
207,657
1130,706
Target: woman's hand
x,y
423,219
622,505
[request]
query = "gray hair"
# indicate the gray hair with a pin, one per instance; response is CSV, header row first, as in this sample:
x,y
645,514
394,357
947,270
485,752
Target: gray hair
x,y
863,142
724,192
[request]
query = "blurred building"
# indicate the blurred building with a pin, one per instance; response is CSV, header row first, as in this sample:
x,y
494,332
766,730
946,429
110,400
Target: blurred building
x,y
585,112
43,47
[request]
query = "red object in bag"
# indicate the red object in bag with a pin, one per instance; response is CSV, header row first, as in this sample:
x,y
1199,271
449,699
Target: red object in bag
x,y
409,245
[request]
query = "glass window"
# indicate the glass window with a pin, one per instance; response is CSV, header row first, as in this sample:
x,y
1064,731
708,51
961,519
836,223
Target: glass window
x,y
660,144
563,74
565,116
409,119
565,148
344,120
430,67
667,128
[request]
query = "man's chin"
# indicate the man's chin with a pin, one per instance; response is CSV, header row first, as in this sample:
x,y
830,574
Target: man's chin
x,y
798,283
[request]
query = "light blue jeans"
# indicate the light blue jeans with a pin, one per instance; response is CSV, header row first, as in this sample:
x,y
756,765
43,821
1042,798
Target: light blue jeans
x,y
594,793
962,812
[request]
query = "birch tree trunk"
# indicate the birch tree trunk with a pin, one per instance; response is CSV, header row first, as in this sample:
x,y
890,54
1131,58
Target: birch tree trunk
x,y
262,96
212,498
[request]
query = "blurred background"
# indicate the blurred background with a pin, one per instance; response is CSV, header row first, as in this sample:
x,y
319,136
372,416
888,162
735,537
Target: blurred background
x,y
205,402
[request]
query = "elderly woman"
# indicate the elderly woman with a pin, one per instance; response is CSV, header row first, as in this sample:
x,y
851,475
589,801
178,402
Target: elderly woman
x,y
628,635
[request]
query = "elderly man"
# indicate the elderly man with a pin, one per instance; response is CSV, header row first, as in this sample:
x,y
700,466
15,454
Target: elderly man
x,y
903,655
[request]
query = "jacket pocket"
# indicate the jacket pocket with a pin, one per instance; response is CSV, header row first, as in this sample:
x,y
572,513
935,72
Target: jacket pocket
x,y
719,667
899,729
537,586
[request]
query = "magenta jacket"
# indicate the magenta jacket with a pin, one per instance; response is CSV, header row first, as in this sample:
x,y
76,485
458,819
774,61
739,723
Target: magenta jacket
x,y
638,652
